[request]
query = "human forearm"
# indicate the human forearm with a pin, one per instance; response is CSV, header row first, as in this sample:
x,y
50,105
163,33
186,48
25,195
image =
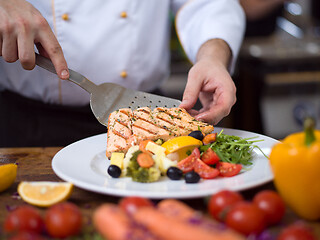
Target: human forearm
x,y
215,50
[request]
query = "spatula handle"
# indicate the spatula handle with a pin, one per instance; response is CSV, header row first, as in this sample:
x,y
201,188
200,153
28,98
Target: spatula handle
x,y
75,77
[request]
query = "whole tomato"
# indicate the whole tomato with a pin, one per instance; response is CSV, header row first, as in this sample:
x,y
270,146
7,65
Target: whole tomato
x,y
246,218
24,219
271,204
26,236
220,203
297,231
63,220
131,204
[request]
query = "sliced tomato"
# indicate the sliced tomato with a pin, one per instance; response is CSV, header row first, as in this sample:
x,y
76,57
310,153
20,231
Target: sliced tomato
x,y
204,170
196,152
210,157
228,169
187,164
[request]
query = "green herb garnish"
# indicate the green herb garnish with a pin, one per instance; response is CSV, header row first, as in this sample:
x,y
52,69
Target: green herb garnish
x,y
233,149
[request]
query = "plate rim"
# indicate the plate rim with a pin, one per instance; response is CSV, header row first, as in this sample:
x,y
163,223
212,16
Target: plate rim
x,y
153,195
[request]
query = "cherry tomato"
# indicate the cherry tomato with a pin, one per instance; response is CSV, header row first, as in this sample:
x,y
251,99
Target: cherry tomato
x,y
26,236
63,220
210,157
297,231
228,169
246,218
271,204
187,164
131,204
24,219
204,170
220,203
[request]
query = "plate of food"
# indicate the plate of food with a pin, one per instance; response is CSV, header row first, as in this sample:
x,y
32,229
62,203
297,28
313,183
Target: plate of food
x,y
184,159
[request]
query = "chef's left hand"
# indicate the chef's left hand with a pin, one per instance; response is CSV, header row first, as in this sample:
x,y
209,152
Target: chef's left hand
x,y
210,81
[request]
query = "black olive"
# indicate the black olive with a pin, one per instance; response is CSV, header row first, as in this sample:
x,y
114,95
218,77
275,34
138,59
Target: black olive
x,y
114,171
174,173
197,134
192,177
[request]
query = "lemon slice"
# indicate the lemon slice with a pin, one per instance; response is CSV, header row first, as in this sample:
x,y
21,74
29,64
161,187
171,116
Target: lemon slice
x,y
8,173
180,146
44,194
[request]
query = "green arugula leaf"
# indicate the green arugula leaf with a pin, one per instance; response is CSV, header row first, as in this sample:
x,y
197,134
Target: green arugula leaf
x,y
233,149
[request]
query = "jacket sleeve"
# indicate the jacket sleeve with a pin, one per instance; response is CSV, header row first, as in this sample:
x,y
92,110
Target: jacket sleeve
x,y
198,21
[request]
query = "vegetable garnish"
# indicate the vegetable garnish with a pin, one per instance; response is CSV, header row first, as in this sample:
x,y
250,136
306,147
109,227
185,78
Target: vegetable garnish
x,y
233,149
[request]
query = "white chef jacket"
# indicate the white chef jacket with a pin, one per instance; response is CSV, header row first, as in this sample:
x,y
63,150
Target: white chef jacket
x,y
122,41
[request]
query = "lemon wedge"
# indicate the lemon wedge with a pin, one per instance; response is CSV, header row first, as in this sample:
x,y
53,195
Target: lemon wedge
x,y
8,173
180,146
44,194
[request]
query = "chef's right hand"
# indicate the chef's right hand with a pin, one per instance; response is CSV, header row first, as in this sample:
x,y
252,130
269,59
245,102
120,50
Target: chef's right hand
x,y
22,26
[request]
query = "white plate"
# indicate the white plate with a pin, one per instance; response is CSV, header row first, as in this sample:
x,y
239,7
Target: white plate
x,y
84,164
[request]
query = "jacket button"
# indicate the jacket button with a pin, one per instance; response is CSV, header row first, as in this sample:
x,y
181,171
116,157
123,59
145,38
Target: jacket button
x,y
123,14
123,74
65,17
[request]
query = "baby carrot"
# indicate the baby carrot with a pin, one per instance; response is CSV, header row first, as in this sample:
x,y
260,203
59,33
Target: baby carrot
x,y
145,160
143,144
111,221
170,228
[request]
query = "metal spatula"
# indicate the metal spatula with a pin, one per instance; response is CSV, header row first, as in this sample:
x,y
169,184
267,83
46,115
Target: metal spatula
x,y
108,97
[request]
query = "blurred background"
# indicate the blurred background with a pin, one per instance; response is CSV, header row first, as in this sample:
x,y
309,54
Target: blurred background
x,y
278,70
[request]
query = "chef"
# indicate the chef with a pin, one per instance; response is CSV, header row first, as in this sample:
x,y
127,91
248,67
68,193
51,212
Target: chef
x,y
124,42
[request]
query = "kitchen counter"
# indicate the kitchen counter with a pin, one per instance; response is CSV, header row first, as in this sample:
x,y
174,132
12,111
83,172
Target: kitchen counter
x,y
34,164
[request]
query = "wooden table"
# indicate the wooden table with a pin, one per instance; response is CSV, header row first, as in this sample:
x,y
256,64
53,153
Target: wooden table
x,y
34,164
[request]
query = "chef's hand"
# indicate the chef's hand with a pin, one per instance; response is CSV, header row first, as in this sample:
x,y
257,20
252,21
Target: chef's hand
x,y
22,26
210,81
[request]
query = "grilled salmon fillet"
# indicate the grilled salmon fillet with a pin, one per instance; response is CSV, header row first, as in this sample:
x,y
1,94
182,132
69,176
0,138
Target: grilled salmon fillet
x,y
128,127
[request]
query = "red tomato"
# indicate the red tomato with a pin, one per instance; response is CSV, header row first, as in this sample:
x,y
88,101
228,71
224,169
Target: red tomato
x,y
228,169
297,231
131,204
205,171
26,236
187,164
246,218
210,157
63,220
220,203
271,204
24,219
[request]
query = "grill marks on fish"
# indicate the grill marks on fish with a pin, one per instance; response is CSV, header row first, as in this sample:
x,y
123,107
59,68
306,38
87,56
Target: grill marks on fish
x,y
119,130
127,127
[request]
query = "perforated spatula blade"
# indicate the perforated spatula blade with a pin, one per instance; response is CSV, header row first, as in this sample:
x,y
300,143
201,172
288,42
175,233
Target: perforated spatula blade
x,y
108,97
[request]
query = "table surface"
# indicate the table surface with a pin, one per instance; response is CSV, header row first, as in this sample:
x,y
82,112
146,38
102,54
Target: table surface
x,y
34,164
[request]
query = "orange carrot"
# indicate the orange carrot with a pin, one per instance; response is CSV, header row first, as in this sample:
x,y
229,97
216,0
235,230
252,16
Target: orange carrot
x,y
145,160
172,228
114,224
209,138
111,221
143,145
177,209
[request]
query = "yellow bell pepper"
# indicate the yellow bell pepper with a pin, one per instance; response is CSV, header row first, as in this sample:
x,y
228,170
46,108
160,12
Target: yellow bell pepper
x,y
295,163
